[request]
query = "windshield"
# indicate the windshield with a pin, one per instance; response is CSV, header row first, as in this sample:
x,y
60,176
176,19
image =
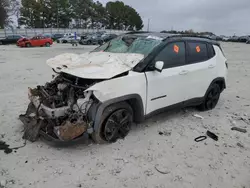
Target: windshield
x,y
130,44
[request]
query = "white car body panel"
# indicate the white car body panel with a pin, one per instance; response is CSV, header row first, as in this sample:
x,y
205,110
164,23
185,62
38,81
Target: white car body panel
x,y
133,83
95,65
165,88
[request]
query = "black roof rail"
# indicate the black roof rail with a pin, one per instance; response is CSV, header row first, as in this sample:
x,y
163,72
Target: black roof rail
x,y
189,35
137,32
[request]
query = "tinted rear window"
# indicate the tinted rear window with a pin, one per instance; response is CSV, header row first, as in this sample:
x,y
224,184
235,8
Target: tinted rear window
x,y
211,52
197,52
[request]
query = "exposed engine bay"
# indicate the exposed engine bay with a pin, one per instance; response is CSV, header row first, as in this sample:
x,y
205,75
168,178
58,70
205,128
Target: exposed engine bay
x,y
59,108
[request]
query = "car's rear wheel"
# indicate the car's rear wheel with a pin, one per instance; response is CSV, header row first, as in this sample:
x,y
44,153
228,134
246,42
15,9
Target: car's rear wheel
x,y
211,99
115,123
1,42
64,41
88,42
47,44
28,45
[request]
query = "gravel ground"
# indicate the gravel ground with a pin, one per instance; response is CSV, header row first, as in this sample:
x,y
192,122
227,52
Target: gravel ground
x,y
144,159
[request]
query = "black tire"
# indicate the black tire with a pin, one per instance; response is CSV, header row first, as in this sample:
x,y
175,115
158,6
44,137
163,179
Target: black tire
x,y
88,42
47,44
115,123
64,41
211,99
28,45
1,43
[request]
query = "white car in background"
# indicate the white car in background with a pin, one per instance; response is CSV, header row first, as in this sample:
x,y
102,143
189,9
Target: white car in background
x,y
99,94
68,39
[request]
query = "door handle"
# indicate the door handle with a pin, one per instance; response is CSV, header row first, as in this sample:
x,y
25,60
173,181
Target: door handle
x,y
211,66
184,72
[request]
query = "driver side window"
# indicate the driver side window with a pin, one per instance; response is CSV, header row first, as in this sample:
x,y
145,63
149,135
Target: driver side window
x,y
173,55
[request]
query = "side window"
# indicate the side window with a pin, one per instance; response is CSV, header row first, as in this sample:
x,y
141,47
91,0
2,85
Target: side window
x,y
10,37
173,55
211,52
197,52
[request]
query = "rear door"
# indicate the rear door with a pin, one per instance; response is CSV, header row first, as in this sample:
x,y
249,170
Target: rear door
x,y
168,87
201,68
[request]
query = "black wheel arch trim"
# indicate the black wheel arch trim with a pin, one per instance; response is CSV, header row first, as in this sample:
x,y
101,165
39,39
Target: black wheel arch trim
x,y
134,100
219,79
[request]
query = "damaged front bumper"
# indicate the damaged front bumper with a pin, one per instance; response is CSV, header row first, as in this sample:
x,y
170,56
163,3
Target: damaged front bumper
x,y
55,125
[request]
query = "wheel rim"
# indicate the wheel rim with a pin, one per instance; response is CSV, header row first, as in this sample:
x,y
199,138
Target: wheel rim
x,y
213,98
47,44
117,125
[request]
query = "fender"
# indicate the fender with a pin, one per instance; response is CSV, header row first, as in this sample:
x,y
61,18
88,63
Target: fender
x,y
133,99
221,81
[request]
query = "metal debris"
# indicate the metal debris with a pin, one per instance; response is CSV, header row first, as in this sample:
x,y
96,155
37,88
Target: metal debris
x,y
162,170
70,131
239,129
198,116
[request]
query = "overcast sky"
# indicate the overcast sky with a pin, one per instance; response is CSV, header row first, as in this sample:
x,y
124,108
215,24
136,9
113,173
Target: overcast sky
x,y
219,16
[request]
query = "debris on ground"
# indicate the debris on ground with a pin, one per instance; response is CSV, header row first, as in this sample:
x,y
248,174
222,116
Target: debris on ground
x,y
3,183
239,129
240,145
198,116
200,138
162,169
5,147
165,133
212,135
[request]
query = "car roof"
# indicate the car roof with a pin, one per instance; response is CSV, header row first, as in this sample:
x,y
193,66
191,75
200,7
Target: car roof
x,y
166,36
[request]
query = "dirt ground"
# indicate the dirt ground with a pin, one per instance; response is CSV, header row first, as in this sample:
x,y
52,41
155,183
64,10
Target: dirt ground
x,y
144,159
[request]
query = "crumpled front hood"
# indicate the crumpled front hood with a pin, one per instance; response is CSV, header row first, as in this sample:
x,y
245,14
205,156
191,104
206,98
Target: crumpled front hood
x,y
95,65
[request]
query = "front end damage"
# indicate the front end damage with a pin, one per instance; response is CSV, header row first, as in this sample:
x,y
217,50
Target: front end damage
x,y
59,110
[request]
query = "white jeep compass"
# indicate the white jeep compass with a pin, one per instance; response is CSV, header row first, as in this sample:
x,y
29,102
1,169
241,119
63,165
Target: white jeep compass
x,y
101,93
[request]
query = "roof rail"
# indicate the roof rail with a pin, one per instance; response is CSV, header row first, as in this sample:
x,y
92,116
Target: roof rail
x,y
189,35
137,32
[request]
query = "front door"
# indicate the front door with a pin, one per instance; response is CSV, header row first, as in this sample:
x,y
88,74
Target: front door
x,y
168,87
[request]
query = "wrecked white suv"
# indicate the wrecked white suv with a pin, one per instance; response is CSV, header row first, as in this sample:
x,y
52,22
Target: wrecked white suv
x,y
99,94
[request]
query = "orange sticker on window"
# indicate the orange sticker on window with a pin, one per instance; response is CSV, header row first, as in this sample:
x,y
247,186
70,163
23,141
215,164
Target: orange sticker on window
x,y
198,49
176,48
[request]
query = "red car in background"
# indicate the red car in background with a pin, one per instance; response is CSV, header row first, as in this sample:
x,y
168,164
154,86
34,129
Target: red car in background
x,y
35,41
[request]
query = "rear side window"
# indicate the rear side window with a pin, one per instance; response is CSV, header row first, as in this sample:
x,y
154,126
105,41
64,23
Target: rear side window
x,y
211,52
197,52
173,55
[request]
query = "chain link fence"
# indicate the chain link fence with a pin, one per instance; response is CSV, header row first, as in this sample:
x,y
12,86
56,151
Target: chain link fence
x,y
37,31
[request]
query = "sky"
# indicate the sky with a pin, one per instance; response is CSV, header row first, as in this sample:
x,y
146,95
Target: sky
x,y
223,17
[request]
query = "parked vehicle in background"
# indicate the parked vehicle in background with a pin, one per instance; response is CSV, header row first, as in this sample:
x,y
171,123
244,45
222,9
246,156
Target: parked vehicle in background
x,y
11,39
68,39
90,40
68,34
101,93
106,38
57,36
35,41
243,39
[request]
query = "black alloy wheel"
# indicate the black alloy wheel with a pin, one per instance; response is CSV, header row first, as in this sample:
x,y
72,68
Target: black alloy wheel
x,y
117,125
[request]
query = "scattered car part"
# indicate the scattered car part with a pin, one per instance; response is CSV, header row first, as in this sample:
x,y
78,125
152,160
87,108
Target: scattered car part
x,y
212,135
200,138
198,116
239,129
161,170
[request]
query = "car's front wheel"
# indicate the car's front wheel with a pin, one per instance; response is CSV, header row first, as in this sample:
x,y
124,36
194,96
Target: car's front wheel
x,y
212,97
115,123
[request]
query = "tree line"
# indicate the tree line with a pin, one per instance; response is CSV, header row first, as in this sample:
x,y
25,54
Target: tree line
x,y
71,13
